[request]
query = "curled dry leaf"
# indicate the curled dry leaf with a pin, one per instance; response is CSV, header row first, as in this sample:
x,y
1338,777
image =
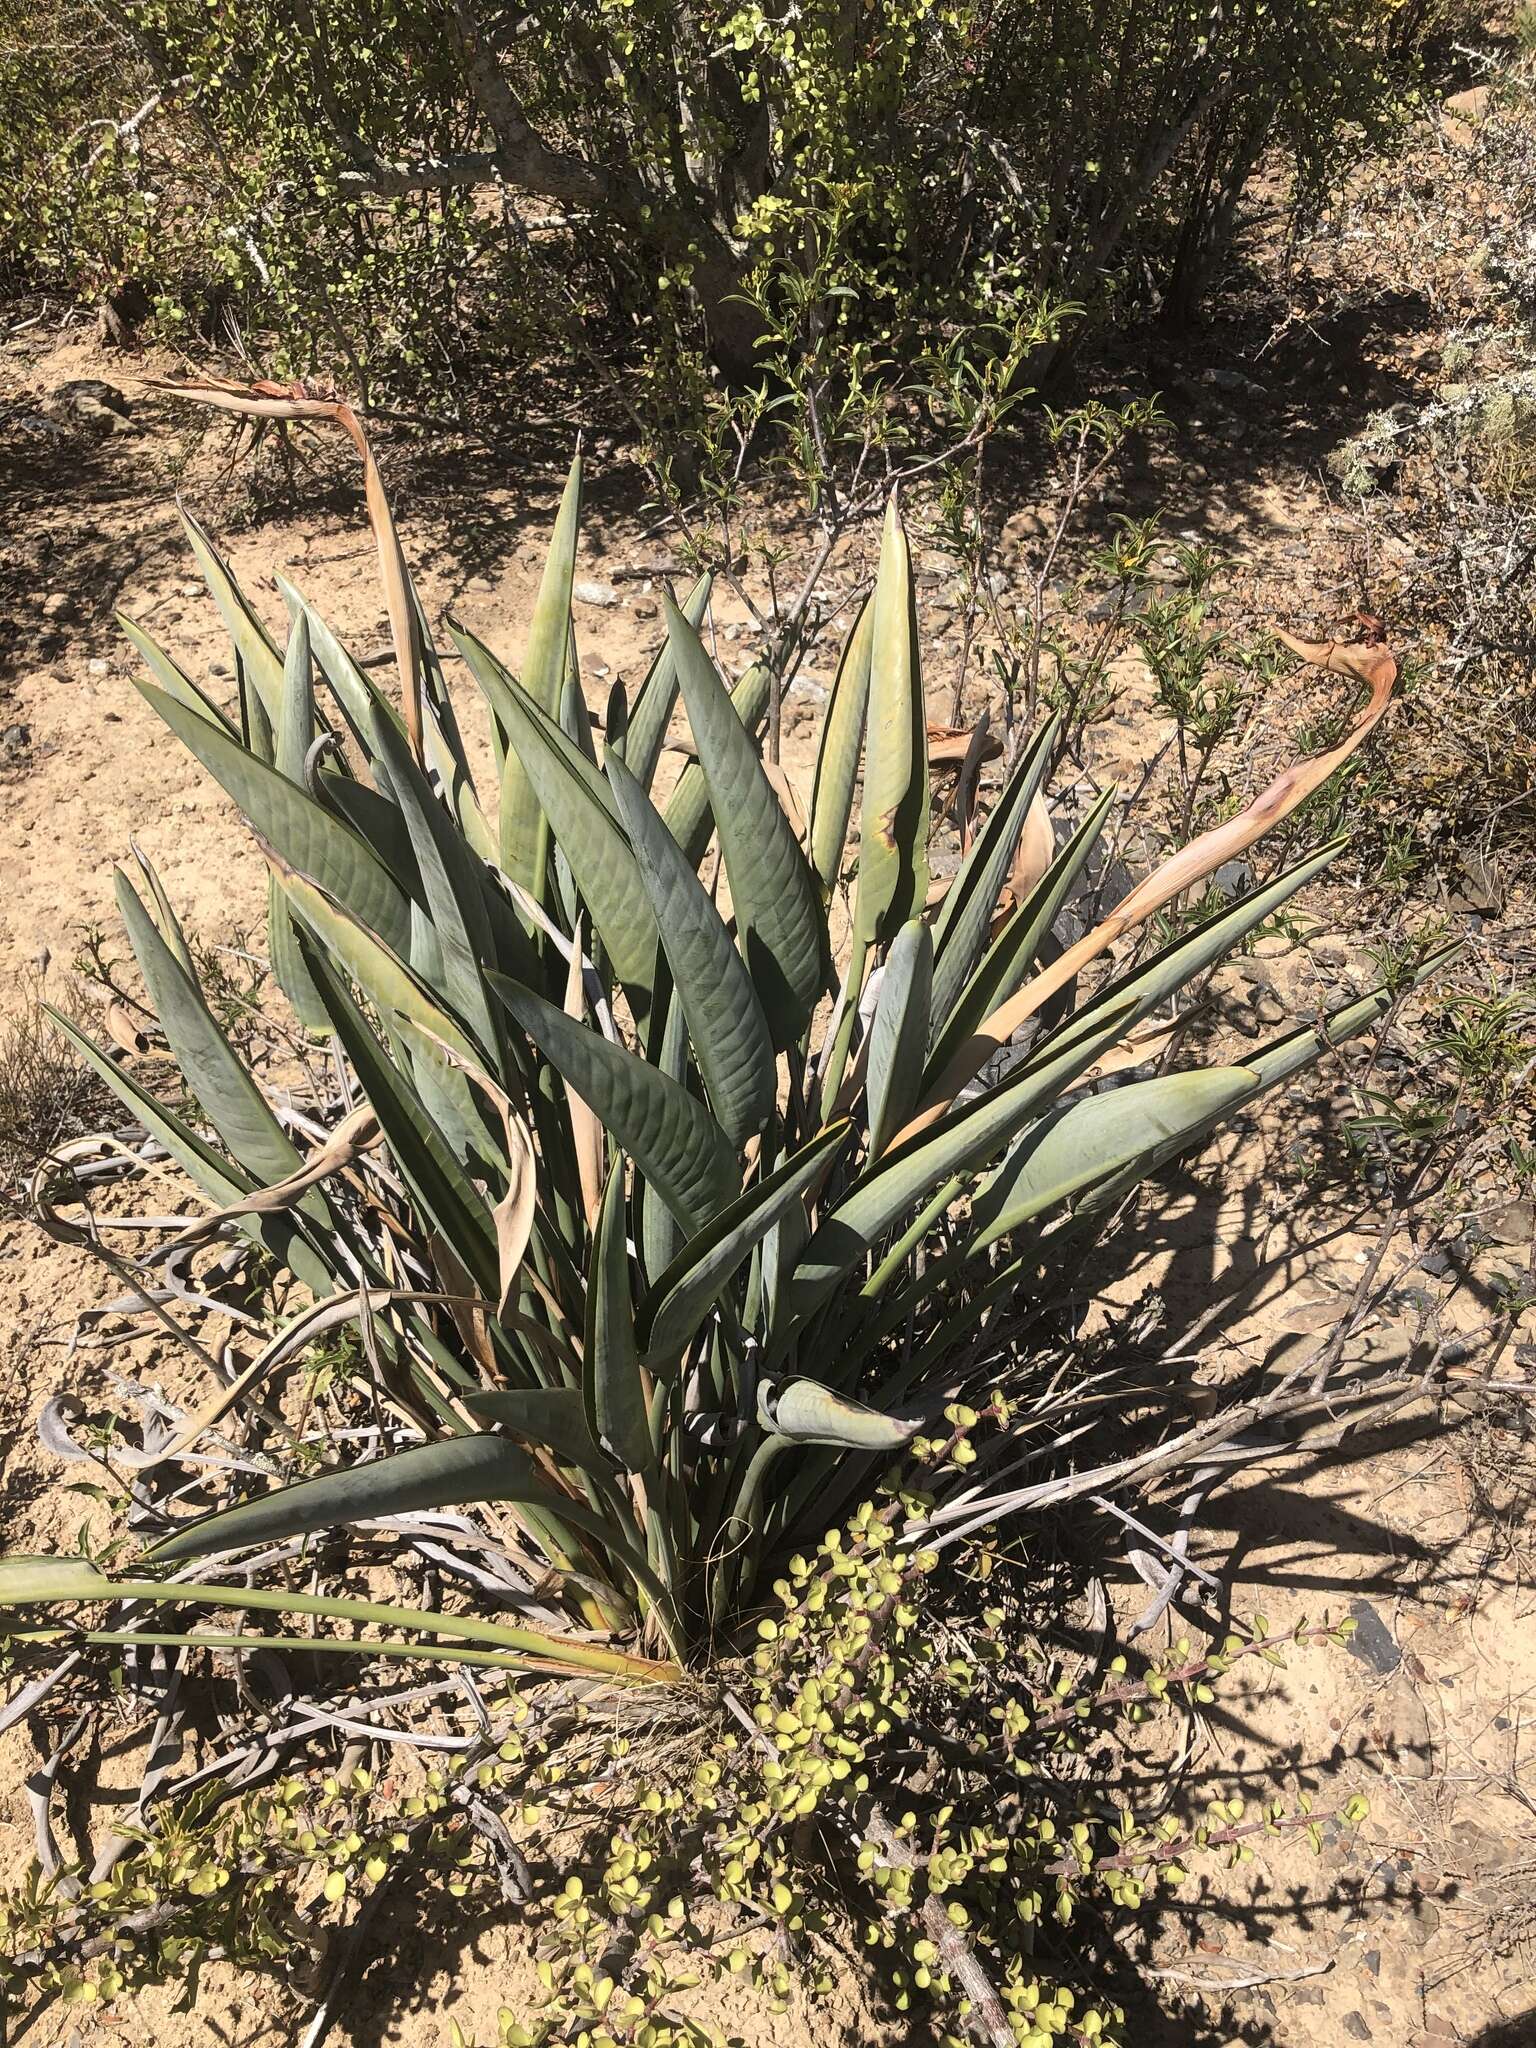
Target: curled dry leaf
x,y
949,745
323,1316
788,796
352,1137
1036,849
513,1214
122,1030
1148,1042
1371,665
962,800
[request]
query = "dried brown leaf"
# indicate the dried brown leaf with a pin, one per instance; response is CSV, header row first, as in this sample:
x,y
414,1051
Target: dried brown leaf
x,y
1036,849
122,1030
352,1137
266,400
586,1131
1371,665
949,745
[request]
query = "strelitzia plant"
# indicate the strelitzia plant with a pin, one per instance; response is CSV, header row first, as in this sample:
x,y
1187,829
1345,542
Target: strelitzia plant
x,y
666,1233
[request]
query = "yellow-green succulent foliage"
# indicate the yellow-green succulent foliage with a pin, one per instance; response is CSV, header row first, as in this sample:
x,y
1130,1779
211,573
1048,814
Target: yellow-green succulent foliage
x,y
783,1819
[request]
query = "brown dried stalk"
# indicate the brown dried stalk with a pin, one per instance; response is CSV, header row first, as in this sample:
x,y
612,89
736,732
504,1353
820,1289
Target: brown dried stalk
x,y
268,401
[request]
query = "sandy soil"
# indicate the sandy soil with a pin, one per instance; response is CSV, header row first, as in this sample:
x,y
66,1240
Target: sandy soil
x,y
1419,1920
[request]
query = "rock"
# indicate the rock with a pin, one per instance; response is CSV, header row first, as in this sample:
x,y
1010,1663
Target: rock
x,y
1471,105
587,592
1357,2027
1423,1917
643,608
15,744
1312,1316
1515,1223
1026,525
98,667
1463,114
1481,890
91,402
1399,1743
1372,1641
57,605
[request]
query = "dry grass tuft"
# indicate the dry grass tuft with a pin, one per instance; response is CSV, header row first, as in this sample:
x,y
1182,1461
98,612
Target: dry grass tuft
x,y
46,1097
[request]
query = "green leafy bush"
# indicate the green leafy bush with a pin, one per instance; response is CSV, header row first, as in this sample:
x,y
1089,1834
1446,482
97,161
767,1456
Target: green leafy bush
x,y
379,190
161,168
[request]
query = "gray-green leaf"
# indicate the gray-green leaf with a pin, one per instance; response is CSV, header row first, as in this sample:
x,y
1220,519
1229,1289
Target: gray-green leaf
x,y
674,1141
725,1019
774,893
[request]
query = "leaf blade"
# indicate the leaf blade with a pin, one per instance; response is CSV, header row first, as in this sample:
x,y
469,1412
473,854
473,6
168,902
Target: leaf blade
x,y
523,831
303,832
688,815
893,819
898,1034
837,757
725,1019
960,930
651,712
671,1137
677,1303
613,1386
454,1473
773,890
1089,1139
577,805
803,1411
